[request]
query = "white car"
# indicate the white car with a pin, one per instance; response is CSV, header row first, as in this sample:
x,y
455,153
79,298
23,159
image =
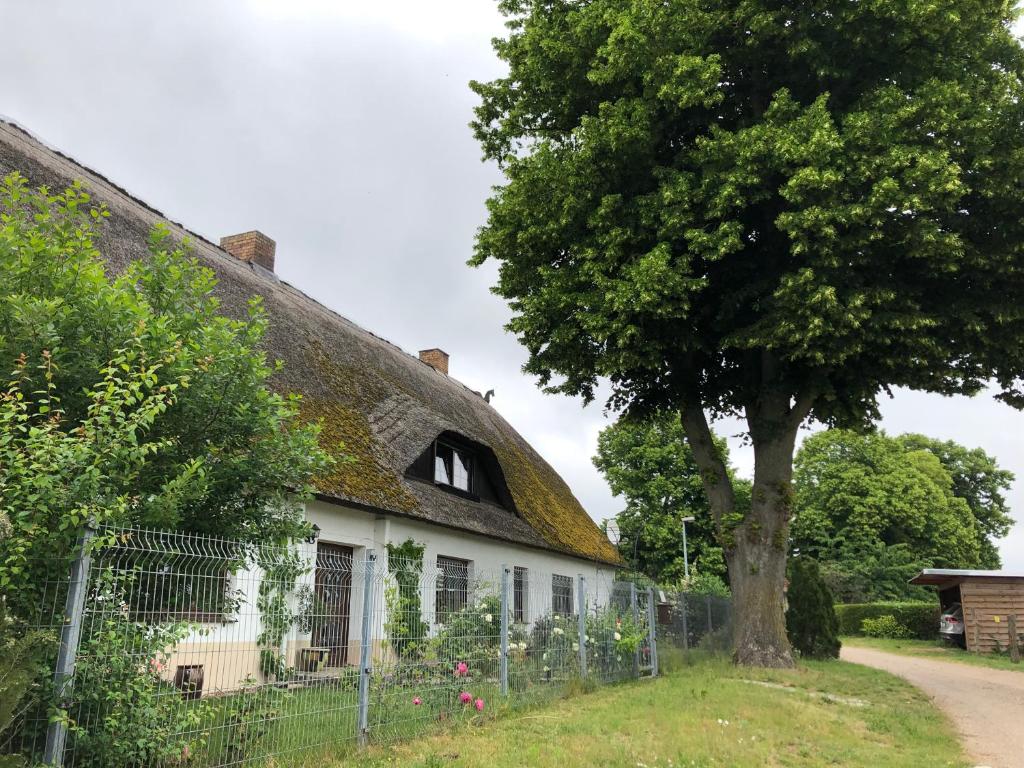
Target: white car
x,y
951,625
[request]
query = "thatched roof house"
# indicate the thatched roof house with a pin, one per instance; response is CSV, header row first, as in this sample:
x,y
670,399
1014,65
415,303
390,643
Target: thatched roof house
x,y
391,409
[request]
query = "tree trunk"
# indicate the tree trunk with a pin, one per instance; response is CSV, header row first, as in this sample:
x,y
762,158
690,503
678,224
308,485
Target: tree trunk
x,y
757,559
755,543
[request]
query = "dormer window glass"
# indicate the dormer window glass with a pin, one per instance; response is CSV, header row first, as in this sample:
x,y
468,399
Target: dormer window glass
x,y
453,466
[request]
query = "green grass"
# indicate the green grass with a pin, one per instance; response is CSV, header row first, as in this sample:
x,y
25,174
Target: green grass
x,y
706,713
935,649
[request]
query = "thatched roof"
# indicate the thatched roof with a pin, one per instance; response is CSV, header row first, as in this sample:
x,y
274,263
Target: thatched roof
x,y
384,404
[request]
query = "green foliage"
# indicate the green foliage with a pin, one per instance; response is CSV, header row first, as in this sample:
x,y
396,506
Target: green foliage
x,y
281,567
125,711
920,619
407,631
811,618
471,636
249,716
772,210
884,626
876,509
132,399
979,481
23,655
649,463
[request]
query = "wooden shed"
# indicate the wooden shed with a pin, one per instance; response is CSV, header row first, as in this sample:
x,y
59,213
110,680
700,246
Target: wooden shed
x,y
988,598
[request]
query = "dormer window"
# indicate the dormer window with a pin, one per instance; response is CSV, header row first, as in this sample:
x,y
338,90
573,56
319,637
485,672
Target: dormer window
x,y
453,466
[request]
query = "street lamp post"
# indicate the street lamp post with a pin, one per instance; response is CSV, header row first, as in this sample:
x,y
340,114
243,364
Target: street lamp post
x,y
686,555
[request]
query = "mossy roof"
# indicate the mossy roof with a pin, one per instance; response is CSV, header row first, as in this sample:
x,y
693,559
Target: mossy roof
x,y
385,405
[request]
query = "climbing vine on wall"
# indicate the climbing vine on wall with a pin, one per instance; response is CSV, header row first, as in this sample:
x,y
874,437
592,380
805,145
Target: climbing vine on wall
x,y
406,629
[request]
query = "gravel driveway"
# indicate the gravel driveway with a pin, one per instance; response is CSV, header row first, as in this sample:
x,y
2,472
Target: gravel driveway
x,y
986,705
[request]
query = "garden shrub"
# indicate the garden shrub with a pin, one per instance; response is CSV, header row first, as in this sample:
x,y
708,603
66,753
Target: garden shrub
x,y
920,619
884,626
22,668
811,618
125,711
471,634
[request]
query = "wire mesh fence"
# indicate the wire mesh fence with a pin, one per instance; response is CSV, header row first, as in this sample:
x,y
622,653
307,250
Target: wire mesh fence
x,y
174,649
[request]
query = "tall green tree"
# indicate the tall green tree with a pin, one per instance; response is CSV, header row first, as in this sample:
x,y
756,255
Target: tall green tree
x,y
649,464
857,492
130,399
873,509
979,481
776,210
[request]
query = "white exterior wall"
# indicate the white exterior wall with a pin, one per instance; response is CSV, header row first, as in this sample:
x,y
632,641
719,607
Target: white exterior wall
x,y
229,652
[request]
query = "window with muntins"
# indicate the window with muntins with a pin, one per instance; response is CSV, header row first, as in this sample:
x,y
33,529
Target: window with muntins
x,y
452,587
520,586
453,466
561,595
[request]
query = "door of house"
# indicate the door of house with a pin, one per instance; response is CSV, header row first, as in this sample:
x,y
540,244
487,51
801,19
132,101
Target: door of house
x,y
333,593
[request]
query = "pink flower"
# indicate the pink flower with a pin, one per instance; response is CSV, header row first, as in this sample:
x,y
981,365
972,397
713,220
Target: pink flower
x,y
479,704
461,670
465,698
417,701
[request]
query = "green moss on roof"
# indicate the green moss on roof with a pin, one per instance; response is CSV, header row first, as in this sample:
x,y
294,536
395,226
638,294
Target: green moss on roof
x,y
547,504
359,473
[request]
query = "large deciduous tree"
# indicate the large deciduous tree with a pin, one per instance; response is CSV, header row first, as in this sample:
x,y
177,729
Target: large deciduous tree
x,y
649,464
776,210
872,509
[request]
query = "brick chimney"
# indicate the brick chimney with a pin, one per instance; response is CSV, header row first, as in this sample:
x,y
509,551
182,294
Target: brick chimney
x,y
253,247
435,358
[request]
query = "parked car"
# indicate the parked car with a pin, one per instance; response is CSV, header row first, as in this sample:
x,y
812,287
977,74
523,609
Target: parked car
x,y
951,625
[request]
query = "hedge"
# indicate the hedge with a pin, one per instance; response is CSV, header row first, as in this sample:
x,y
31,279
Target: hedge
x,y
922,619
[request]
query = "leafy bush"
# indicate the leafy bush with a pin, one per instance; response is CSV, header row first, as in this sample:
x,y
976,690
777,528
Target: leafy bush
x,y
884,626
125,711
22,668
811,618
471,635
920,619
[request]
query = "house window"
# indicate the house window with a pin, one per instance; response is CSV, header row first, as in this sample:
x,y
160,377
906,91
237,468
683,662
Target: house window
x,y
452,586
519,588
453,466
561,595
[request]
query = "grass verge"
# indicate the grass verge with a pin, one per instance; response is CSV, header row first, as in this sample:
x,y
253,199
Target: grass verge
x,y
935,649
703,713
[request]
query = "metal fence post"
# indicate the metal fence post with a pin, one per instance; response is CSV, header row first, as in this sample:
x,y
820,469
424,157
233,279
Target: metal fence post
x,y
365,650
582,598
711,628
652,639
636,623
70,635
686,630
504,630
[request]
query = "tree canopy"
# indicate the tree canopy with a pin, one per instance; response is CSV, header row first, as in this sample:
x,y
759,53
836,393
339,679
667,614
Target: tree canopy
x,y
130,399
649,464
773,210
874,509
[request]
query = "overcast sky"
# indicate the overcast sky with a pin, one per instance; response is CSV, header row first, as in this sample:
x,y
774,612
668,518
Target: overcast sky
x,y
339,128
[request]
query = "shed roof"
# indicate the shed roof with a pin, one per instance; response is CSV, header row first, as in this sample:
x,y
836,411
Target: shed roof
x,y
384,404
933,577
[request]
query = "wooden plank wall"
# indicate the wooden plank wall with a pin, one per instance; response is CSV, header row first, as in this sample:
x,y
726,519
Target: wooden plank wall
x,y
987,603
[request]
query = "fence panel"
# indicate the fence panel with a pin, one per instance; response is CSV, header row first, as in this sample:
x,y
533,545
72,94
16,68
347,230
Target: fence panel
x,y
206,652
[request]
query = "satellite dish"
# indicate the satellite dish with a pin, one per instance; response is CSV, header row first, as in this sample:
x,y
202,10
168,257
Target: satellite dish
x,y
611,528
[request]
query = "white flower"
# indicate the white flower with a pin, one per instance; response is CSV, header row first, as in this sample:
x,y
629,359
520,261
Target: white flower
x,y
547,669
617,637
487,618
559,631
522,646
575,646
618,658
545,656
